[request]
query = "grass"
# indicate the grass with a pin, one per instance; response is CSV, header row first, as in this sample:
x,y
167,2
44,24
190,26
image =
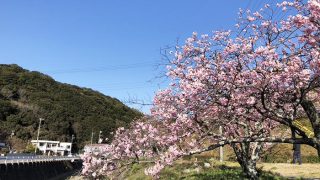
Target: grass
x,y
190,170
196,170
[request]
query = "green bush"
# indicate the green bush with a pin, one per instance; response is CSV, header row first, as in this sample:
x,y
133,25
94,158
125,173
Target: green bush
x,y
311,159
30,149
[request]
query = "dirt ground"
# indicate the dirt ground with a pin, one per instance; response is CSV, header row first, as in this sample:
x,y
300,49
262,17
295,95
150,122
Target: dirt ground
x,y
293,170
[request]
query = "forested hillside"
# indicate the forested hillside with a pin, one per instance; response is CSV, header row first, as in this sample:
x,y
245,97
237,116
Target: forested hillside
x,y
26,96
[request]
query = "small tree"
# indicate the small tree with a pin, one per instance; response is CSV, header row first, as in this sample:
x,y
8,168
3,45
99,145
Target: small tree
x,y
30,148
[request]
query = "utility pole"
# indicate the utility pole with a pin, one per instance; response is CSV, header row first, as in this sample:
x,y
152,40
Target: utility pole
x,y
35,150
100,137
10,142
72,138
221,147
91,137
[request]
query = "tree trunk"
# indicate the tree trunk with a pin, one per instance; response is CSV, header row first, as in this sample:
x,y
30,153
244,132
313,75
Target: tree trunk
x,y
314,119
250,170
247,160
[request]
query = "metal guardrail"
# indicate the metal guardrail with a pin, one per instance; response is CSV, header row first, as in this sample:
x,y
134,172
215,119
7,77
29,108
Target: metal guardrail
x,y
32,159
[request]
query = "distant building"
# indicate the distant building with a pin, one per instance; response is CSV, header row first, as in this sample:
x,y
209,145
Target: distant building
x,y
94,148
53,147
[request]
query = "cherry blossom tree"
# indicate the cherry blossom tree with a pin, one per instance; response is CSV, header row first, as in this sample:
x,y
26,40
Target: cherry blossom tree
x,y
260,76
249,81
285,54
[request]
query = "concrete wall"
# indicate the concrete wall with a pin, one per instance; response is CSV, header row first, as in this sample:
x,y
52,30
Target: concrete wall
x,y
38,171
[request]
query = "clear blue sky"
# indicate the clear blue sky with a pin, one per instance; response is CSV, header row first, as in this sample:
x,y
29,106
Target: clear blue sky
x,y
112,46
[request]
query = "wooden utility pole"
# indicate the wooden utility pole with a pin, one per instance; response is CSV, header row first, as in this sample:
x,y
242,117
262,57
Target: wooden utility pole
x,y
35,150
91,137
100,137
221,147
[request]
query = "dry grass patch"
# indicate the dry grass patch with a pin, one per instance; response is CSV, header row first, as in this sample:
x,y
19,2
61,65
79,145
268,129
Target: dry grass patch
x,y
293,170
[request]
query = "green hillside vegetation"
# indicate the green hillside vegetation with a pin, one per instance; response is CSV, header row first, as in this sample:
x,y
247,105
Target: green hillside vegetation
x,y
26,96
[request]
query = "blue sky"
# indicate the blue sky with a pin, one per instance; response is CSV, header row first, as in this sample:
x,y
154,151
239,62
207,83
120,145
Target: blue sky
x,y
109,46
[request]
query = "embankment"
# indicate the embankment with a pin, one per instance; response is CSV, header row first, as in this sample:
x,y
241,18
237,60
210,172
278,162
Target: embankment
x,y
39,171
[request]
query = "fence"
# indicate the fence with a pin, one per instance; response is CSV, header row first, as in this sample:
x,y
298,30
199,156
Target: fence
x,y
33,159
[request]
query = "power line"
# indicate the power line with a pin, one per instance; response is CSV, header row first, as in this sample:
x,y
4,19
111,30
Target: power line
x,y
130,88
100,69
120,85
248,5
256,2
123,85
258,5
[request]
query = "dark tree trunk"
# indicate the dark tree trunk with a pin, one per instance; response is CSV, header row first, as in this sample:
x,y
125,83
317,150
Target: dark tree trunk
x,y
296,149
313,116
